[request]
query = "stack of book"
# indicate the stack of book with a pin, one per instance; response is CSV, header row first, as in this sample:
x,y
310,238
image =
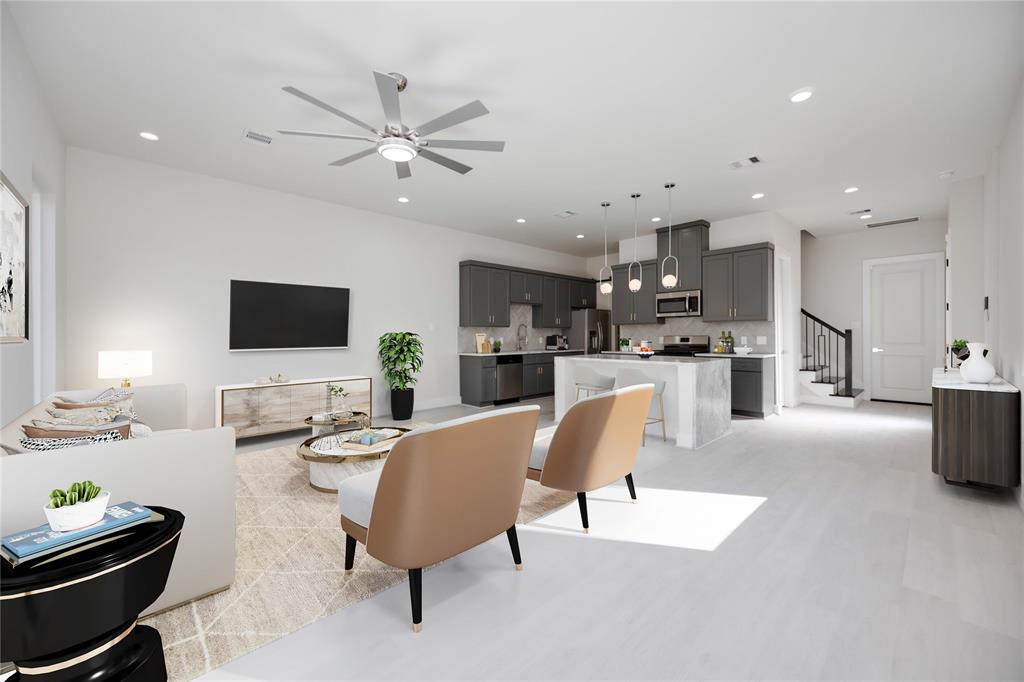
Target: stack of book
x,y
42,540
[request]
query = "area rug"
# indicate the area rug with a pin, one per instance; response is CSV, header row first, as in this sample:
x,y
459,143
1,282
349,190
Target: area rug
x,y
290,566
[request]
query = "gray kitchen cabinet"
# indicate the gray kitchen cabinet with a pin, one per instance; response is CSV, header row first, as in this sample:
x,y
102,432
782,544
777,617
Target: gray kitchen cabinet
x,y
639,307
753,384
478,379
689,242
525,287
483,297
539,378
583,294
556,308
738,283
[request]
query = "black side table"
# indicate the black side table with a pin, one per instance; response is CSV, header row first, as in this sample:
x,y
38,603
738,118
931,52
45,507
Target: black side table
x,y
73,616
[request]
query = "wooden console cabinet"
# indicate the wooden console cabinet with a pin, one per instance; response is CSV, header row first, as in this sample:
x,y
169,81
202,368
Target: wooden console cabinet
x,y
261,409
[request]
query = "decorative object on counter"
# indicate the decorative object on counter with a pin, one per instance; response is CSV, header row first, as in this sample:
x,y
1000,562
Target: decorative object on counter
x,y
74,615
624,343
743,350
124,365
481,340
976,369
957,352
645,352
606,280
635,283
401,357
81,505
496,348
669,279
340,408
280,378
329,422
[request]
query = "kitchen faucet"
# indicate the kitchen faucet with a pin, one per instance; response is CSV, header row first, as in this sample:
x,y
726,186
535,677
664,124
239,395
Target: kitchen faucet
x,y
522,340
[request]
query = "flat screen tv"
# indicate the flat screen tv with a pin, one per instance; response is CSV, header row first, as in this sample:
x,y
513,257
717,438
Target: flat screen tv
x,y
270,316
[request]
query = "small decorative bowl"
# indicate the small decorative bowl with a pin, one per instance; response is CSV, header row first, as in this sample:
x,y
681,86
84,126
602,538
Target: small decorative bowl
x,y
743,350
645,355
79,515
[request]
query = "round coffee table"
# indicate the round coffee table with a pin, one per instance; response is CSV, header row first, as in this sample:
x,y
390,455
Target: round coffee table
x,y
356,420
327,471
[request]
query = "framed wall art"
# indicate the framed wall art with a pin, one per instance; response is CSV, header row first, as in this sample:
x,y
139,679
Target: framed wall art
x,y
13,264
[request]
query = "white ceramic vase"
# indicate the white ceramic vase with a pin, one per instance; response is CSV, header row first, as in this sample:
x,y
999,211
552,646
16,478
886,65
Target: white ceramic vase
x,y
976,369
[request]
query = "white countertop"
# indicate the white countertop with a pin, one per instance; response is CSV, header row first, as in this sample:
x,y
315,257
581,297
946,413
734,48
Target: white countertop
x,y
655,360
729,356
952,379
523,352
290,382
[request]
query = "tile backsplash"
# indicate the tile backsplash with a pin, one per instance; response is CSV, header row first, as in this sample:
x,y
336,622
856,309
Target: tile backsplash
x,y
688,326
519,314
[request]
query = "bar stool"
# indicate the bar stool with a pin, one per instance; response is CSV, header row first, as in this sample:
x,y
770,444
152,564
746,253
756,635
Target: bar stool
x,y
589,381
631,377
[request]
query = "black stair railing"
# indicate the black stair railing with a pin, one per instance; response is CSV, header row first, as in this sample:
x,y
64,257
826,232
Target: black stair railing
x,y
828,351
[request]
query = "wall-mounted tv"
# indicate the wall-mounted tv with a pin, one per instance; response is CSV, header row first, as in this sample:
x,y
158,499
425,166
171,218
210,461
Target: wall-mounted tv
x,y
271,316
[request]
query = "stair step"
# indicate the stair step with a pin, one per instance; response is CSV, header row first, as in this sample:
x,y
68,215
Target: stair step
x,y
854,393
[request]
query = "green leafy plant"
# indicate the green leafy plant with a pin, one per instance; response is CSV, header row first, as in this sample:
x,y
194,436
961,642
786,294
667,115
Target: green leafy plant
x,y
624,342
958,344
77,492
401,357
337,390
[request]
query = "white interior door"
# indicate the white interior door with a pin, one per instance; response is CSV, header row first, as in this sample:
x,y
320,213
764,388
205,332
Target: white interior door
x,y
905,300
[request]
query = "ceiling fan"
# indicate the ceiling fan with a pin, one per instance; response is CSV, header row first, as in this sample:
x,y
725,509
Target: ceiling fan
x,y
396,142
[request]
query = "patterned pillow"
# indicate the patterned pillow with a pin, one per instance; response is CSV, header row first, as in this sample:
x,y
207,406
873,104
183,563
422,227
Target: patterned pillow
x,y
72,431
110,395
87,414
46,444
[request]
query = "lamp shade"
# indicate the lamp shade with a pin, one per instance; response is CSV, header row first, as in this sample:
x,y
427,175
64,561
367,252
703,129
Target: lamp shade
x,y
123,364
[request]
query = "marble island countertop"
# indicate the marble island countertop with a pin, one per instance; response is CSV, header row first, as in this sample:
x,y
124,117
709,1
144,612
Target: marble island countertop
x,y
729,356
654,360
952,379
524,352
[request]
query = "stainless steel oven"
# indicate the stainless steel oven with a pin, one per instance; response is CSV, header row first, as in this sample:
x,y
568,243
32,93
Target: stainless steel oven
x,y
679,304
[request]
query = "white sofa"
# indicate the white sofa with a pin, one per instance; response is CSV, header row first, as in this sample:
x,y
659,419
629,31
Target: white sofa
x,y
191,471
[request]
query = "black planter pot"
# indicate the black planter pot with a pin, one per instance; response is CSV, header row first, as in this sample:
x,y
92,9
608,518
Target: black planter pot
x,y
401,404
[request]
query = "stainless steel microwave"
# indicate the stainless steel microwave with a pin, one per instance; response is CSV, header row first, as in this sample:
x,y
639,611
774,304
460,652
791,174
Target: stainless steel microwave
x,y
679,304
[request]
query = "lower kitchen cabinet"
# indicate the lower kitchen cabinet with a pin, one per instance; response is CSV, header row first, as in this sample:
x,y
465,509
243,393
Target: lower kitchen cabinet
x,y
478,379
753,384
539,378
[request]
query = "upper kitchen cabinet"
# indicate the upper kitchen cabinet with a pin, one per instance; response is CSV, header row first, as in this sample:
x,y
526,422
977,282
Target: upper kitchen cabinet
x,y
639,307
556,308
738,283
483,297
689,242
583,294
525,288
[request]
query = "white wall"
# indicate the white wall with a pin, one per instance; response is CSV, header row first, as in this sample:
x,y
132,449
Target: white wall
x,y
966,229
150,251
32,158
833,272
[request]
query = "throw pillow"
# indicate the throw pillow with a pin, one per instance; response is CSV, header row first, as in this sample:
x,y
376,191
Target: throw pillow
x,y
140,430
46,444
71,431
87,414
108,395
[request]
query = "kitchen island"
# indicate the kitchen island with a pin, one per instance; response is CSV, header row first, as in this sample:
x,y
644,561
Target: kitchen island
x,y
698,392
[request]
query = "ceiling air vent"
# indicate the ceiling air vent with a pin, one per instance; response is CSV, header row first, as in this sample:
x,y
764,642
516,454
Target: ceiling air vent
x,y
890,223
252,137
565,214
860,212
745,163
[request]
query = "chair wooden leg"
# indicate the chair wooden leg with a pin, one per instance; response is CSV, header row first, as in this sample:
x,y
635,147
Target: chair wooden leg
x,y
629,484
513,542
350,552
661,401
416,593
582,499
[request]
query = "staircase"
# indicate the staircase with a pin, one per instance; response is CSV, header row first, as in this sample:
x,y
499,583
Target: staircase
x,y
826,372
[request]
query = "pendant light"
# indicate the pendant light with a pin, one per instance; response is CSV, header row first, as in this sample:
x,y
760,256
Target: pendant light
x,y
605,287
638,281
670,279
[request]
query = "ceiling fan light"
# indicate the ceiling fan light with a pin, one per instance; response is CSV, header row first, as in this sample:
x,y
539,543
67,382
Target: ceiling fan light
x,y
397,149
605,288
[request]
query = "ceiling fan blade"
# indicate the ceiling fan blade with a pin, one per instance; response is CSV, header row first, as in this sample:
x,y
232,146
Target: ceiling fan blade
x,y
387,88
310,133
464,113
403,170
327,107
475,145
445,161
353,157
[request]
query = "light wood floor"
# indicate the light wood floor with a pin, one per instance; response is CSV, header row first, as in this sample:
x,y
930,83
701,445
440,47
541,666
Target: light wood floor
x,y
859,564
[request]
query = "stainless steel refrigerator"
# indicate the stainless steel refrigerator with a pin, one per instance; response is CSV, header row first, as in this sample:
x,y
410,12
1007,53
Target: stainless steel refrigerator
x,y
592,331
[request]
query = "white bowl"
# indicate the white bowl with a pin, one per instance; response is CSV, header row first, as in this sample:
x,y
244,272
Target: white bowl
x,y
75,516
743,350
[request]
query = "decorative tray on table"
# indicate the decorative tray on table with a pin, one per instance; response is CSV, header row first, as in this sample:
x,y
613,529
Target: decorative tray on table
x,y
362,440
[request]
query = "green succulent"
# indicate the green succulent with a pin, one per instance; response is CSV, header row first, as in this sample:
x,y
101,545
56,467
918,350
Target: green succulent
x,y
79,491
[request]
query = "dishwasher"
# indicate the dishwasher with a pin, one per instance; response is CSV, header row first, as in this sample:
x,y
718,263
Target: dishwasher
x,y
510,378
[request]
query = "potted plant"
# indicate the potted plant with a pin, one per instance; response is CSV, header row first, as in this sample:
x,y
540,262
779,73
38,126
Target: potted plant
x,y
81,505
401,356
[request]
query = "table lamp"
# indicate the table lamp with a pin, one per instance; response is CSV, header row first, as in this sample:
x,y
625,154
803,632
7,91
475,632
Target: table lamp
x,y
124,365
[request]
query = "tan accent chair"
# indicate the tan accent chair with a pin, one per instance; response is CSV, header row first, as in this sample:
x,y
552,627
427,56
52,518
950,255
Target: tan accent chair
x,y
444,489
596,442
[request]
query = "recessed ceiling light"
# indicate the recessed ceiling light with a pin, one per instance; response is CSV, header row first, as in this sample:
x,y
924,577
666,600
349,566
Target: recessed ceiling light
x,y
152,137
579,236
801,95
655,219
520,220
851,190
759,195
865,216
403,200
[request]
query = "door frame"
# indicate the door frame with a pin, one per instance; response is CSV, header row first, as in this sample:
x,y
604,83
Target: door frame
x,y
939,257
